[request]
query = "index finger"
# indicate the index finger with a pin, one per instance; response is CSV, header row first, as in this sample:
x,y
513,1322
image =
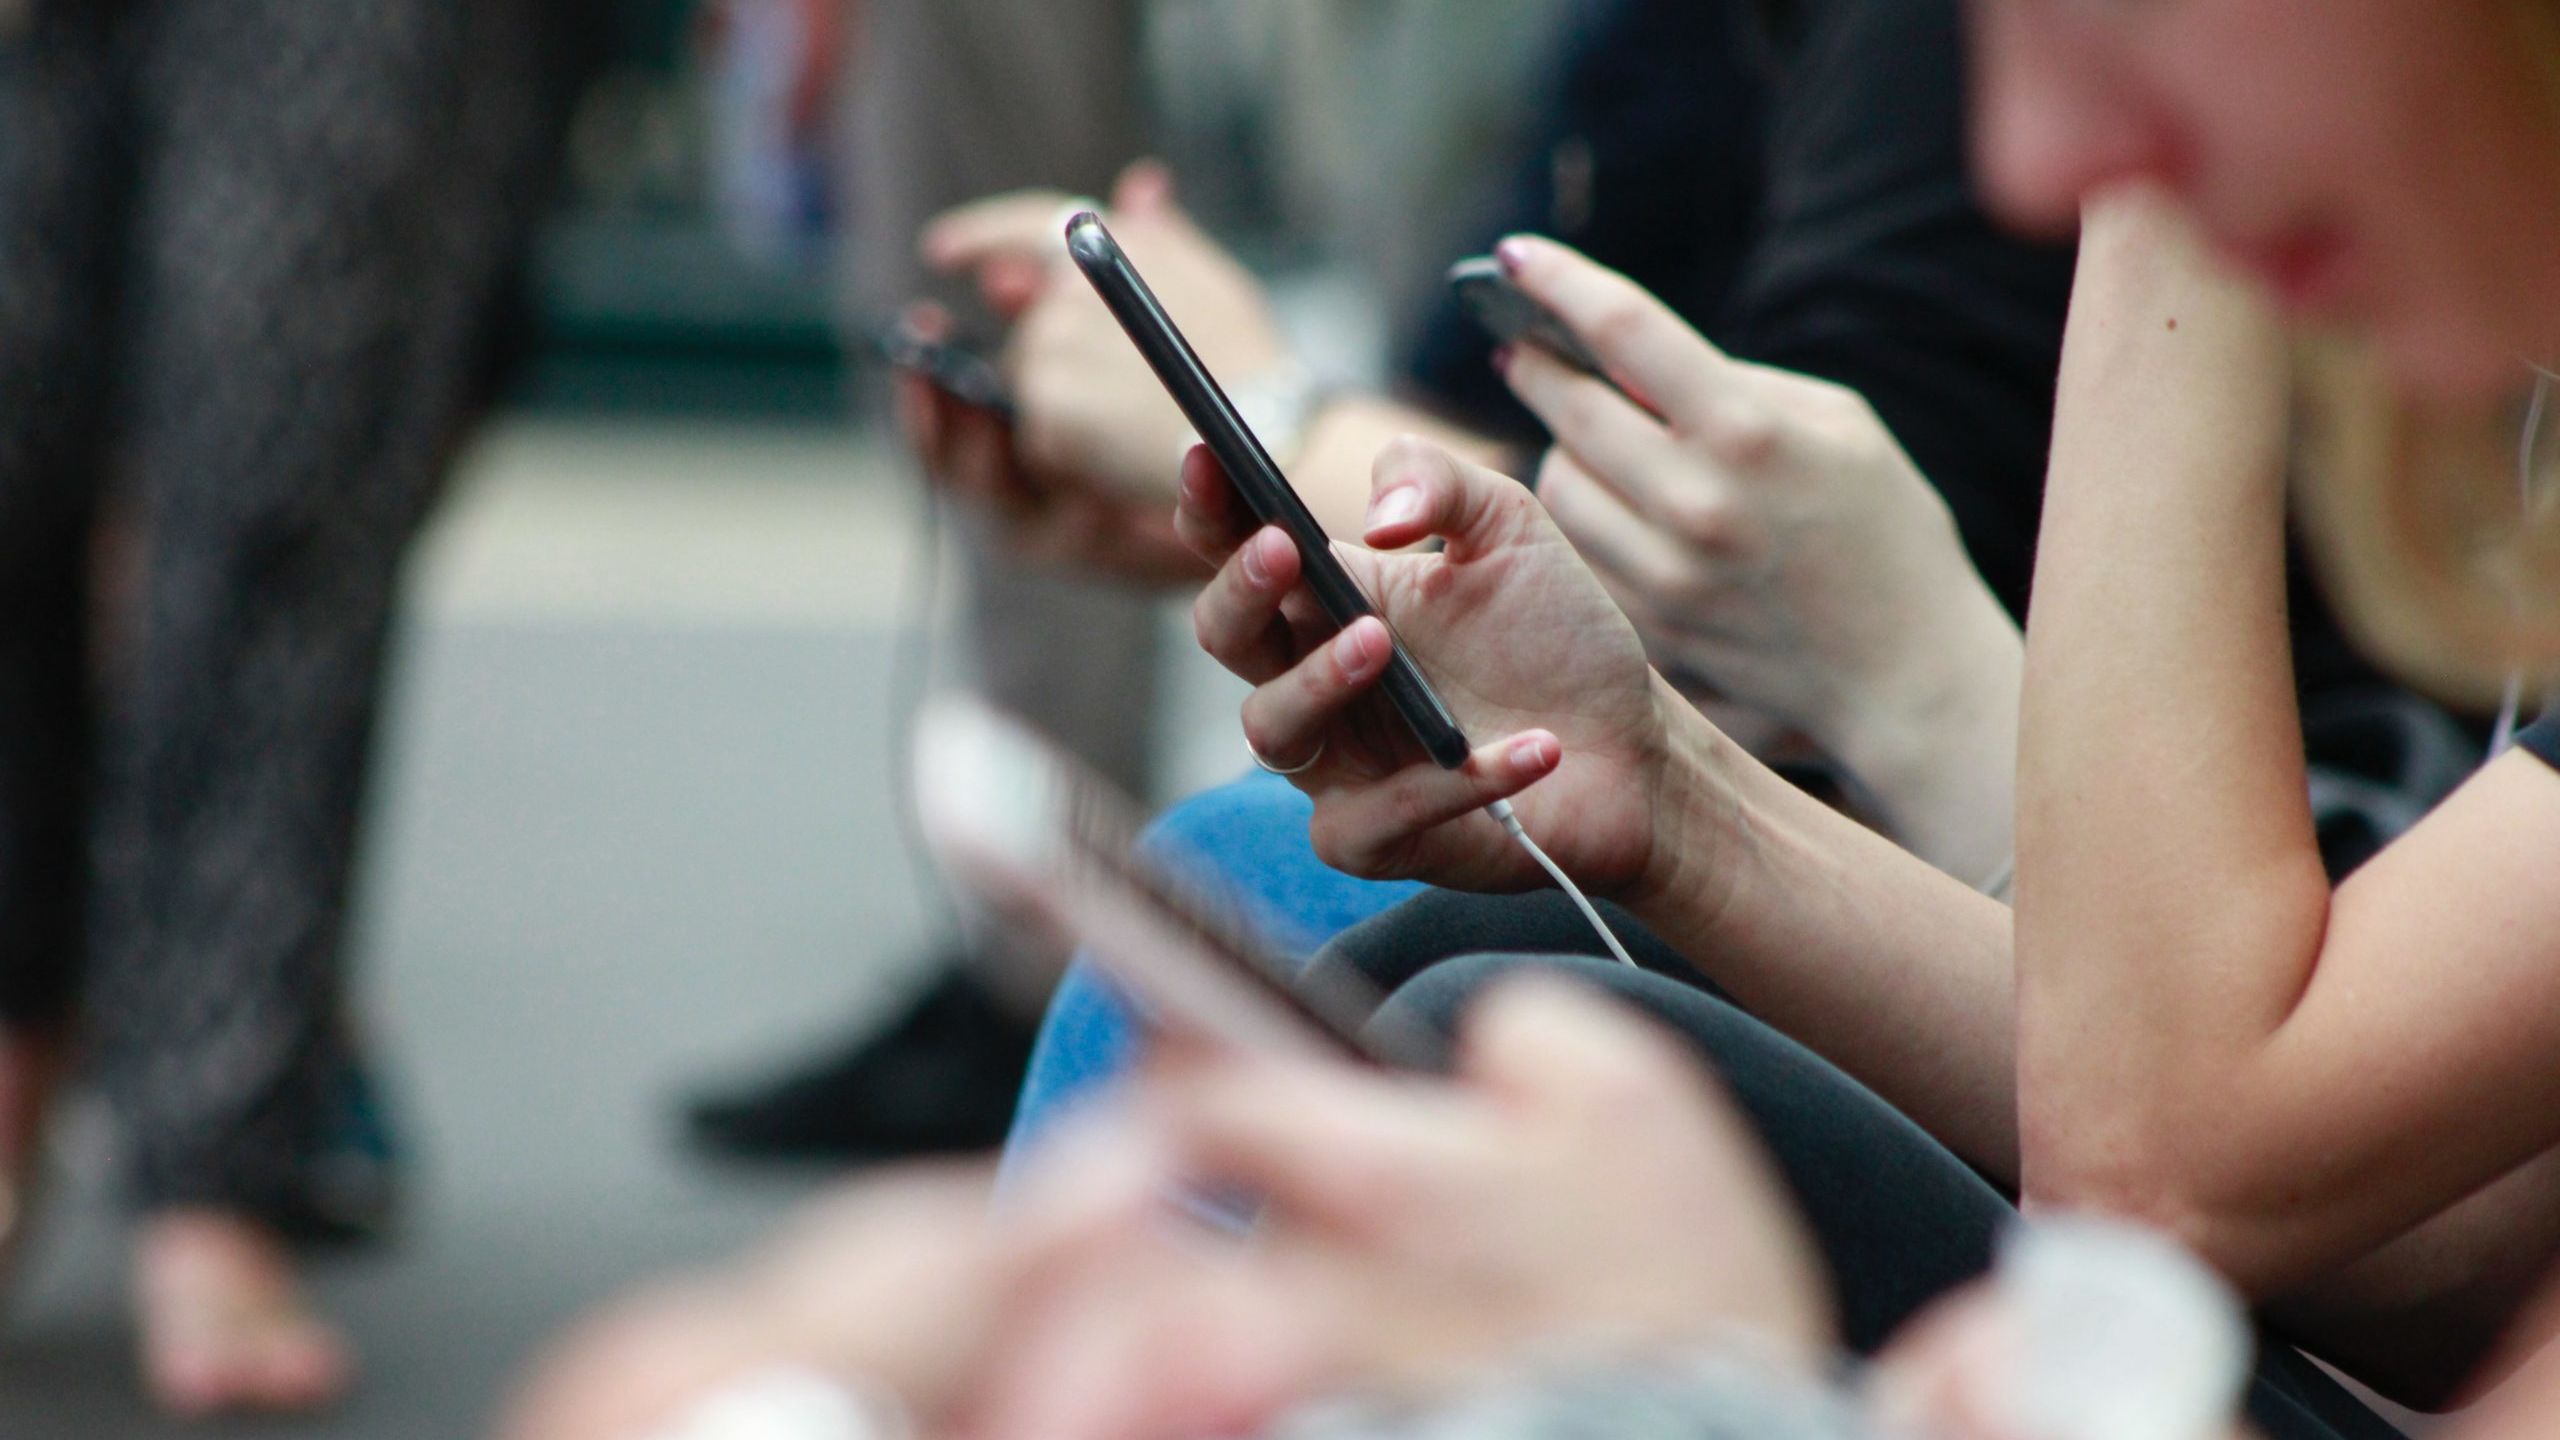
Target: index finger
x,y
1596,423
1018,225
1323,1145
1208,514
1645,345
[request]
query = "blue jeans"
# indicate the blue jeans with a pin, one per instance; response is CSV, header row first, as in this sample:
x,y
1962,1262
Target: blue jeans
x,y
1251,835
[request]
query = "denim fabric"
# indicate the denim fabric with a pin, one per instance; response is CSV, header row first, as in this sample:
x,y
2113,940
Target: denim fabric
x,y
1250,836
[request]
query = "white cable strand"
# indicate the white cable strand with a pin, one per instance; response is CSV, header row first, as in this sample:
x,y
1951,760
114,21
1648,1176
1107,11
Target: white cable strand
x,y
1501,810
2511,708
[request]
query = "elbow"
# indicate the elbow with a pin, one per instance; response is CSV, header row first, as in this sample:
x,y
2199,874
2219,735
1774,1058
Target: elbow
x,y
2153,1175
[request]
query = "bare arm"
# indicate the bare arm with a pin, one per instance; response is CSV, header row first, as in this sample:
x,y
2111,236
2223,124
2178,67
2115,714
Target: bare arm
x,y
1331,471
2207,1036
1890,968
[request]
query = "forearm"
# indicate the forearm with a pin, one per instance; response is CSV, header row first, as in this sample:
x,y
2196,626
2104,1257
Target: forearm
x,y
1829,931
2421,1319
1332,467
2170,895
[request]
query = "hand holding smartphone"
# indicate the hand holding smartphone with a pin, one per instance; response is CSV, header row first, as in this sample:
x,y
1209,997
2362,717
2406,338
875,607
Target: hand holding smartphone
x,y
1256,477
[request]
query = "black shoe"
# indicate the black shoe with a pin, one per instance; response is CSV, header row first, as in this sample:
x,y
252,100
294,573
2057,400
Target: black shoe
x,y
941,1078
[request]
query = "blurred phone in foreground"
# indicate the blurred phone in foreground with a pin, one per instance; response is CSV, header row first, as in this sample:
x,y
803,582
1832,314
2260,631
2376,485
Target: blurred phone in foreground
x,y
1052,850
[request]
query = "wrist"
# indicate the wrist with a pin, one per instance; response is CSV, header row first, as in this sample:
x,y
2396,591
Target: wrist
x,y
1342,442
1935,746
1279,401
1701,826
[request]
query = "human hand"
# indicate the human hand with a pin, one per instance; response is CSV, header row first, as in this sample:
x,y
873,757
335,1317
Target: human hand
x,y
1582,1190
1090,408
1051,519
1765,532
901,1290
1536,663
896,1281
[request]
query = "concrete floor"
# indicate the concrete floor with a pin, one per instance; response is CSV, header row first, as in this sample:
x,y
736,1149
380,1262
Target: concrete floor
x,y
633,831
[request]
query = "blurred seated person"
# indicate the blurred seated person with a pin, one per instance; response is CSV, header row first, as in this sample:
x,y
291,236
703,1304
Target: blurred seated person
x,y
1575,1233
1701,150
1892,353
944,101
1791,176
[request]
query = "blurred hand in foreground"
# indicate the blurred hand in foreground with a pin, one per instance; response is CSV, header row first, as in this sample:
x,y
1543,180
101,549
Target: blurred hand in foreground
x,y
1579,1187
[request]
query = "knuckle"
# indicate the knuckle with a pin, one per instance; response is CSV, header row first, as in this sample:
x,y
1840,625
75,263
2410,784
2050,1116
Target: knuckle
x,y
1674,587
1706,521
1745,438
1578,410
1618,322
1342,848
1410,459
1258,731
1205,631
1408,807
1217,629
1843,405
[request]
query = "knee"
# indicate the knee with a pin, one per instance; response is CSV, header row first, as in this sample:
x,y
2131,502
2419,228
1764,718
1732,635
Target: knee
x,y
1242,815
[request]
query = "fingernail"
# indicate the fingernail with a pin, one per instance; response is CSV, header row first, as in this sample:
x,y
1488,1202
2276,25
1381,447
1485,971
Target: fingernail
x,y
1534,752
1502,359
1256,568
1511,254
1399,506
1356,650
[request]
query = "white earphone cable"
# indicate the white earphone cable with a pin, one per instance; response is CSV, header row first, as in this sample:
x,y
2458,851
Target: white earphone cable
x,y
1501,811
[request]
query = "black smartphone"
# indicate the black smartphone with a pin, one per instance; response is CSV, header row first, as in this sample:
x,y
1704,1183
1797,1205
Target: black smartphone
x,y
1256,477
953,367
1511,317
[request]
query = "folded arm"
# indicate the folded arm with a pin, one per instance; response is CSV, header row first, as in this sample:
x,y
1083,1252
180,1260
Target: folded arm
x,y
2208,1037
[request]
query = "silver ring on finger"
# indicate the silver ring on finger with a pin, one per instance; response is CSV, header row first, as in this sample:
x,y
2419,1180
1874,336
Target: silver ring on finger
x,y
1301,768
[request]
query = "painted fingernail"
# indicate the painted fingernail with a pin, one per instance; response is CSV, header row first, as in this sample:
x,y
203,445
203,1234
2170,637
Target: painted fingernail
x,y
1533,752
1511,254
1400,506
